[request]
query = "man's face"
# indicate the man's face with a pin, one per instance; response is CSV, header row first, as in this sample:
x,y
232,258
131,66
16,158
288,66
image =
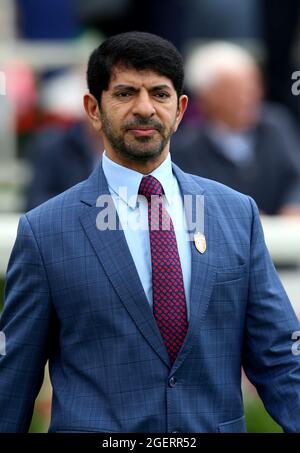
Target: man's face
x,y
235,98
138,114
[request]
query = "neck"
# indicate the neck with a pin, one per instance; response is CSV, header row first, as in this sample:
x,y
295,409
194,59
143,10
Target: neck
x,y
141,166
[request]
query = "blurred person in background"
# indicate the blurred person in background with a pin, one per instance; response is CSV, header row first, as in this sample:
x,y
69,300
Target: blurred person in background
x,y
243,142
65,153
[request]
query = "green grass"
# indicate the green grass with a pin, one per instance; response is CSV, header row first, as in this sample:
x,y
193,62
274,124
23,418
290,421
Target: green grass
x,y
257,418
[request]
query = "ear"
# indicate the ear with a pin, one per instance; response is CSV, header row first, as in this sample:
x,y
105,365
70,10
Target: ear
x,y
182,105
92,110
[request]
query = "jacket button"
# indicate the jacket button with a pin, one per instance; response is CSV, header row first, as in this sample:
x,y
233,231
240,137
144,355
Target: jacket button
x,y
172,381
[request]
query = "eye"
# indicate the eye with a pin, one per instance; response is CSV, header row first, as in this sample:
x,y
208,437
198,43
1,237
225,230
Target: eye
x,y
162,95
123,94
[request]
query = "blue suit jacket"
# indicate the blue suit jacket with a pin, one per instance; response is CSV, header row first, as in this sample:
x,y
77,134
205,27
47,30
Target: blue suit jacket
x,y
73,296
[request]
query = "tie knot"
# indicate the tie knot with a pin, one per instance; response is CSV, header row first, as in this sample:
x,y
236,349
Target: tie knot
x,y
150,186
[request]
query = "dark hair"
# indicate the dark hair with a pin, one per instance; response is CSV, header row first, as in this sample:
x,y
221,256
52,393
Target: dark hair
x,y
137,50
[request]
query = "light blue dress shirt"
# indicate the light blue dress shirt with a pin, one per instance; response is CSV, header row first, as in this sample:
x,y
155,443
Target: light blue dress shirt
x,y
132,210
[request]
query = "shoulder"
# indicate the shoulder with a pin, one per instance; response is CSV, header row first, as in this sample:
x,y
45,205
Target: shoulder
x,y
59,210
277,116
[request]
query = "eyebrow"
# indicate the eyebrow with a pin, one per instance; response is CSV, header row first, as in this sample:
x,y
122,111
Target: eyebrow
x,y
130,87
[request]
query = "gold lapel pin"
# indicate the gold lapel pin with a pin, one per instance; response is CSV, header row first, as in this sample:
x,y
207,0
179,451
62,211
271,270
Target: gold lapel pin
x,y
200,242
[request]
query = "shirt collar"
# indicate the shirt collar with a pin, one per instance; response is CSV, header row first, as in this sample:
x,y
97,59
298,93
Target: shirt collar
x,y
122,177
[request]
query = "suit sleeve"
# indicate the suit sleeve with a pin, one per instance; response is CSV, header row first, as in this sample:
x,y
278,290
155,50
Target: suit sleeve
x,y
268,358
24,324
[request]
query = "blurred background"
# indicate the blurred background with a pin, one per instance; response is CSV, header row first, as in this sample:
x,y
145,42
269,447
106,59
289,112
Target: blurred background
x,y
242,127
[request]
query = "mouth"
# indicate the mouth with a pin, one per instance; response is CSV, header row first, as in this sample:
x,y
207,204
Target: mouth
x,y
142,131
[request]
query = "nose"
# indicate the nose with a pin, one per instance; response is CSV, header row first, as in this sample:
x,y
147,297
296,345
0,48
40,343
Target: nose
x,y
143,105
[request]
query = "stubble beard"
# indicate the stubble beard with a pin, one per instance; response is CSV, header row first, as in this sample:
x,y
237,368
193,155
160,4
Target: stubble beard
x,y
134,148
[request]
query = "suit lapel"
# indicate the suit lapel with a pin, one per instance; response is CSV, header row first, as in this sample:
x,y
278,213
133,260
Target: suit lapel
x,y
202,266
112,251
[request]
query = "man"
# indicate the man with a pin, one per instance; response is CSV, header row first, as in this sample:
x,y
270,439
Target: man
x,y
60,158
144,330
65,153
243,142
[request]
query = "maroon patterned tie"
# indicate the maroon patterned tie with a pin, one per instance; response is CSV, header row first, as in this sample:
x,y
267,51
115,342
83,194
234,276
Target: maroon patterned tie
x,y
169,304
